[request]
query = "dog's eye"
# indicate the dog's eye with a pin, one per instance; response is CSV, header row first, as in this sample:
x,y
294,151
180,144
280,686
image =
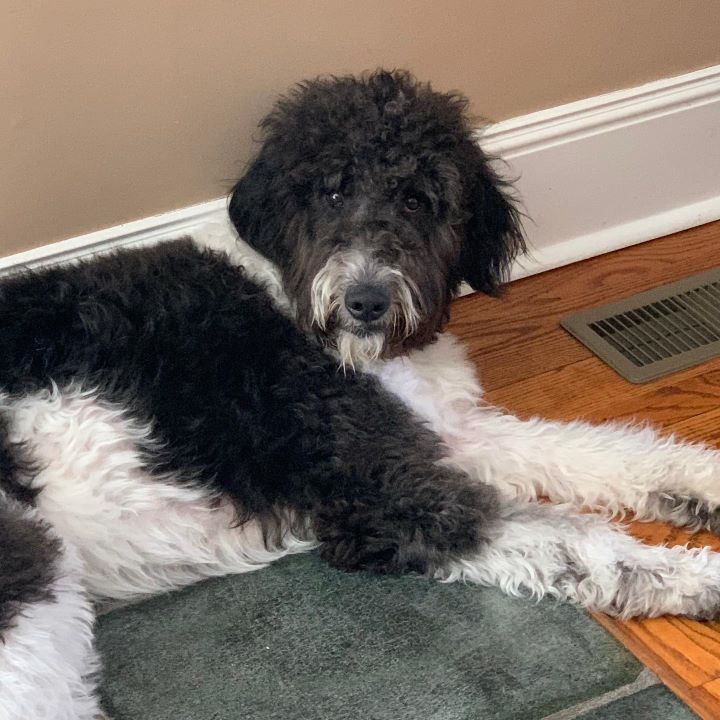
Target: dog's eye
x,y
335,199
412,204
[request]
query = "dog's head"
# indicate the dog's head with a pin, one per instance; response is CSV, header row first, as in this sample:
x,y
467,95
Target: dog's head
x,y
375,201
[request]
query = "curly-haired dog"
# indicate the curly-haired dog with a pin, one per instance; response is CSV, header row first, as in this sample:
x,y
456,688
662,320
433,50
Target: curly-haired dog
x,y
178,412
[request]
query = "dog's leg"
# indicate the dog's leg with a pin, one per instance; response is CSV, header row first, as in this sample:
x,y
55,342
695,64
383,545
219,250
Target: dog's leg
x,y
603,467
396,508
380,497
608,467
412,519
47,659
548,550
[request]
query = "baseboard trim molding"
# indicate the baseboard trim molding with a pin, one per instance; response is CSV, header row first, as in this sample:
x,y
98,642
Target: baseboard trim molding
x,y
174,223
617,237
595,175
601,113
614,170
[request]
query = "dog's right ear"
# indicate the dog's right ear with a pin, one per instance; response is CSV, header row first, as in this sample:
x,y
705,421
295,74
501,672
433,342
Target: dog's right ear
x,y
256,208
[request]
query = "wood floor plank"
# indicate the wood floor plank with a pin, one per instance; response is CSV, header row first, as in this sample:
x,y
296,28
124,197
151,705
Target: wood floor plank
x,y
700,428
599,279
695,665
713,687
704,635
701,701
499,367
671,403
530,366
591,390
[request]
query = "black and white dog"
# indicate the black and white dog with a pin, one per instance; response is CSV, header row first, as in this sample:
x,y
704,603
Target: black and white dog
x,y
178,412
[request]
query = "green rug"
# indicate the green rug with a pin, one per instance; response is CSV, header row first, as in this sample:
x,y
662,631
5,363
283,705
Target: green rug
x,y
300,641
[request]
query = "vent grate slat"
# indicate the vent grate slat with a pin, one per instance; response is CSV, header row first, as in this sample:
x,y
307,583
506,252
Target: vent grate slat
x,y
680,320
652,322
656,332
696,305
710,302
636,353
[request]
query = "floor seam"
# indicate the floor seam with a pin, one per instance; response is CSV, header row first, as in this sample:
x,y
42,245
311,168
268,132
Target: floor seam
x,y
644,680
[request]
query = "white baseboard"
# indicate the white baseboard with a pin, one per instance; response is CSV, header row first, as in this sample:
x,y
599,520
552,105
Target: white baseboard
x,y
150,229
594,176
616,169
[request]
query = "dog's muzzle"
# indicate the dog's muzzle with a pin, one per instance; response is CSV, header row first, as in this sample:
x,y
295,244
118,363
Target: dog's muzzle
x,y
363,305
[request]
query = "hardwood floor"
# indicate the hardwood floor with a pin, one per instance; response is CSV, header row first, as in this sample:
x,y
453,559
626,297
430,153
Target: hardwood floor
x,y
531,366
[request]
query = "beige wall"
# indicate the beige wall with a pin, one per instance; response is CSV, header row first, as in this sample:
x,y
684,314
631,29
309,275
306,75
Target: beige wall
x,y
111,111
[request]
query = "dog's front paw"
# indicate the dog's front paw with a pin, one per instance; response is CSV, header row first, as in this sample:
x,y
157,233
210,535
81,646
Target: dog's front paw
x,y
405,532
356,536
351,554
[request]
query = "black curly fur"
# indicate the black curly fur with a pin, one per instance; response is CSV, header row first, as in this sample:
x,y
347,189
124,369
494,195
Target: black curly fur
x,y
378,140
16,465
28,557
243,402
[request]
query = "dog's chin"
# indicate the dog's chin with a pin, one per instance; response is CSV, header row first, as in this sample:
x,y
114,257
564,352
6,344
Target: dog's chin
x,y
357,347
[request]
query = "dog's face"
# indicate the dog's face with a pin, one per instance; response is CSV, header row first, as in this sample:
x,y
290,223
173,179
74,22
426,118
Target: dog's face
x,y
375,201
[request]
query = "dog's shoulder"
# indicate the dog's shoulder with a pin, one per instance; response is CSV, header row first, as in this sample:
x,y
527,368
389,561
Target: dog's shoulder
x,y
219,236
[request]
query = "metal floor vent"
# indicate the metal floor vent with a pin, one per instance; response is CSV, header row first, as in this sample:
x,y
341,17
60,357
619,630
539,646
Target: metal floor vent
x,y
655,333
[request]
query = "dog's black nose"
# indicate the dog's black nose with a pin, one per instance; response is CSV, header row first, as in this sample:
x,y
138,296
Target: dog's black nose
x,y
367,302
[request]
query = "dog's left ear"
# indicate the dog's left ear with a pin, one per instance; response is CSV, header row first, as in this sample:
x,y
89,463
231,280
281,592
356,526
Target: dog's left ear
x,y
258,205
493,235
